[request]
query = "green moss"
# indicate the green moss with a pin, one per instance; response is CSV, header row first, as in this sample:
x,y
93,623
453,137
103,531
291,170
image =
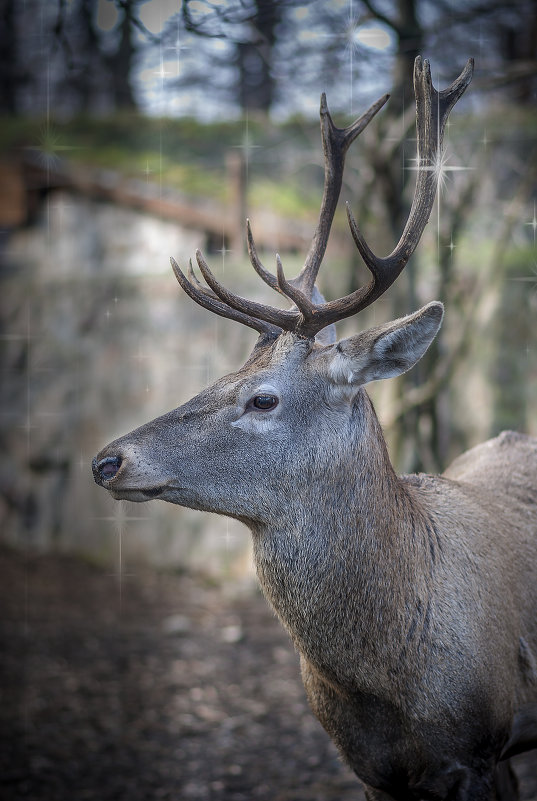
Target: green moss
x,y
288,200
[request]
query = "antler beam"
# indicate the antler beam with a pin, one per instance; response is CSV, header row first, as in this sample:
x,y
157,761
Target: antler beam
x,y
336,142
432,110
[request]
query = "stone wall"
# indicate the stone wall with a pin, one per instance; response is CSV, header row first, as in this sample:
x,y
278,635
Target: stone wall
x,y
97,338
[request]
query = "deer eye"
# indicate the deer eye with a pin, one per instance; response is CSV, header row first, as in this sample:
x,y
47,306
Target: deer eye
x,y
264,402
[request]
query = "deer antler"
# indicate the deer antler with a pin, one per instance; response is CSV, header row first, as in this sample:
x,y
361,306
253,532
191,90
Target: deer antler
x,y
308,318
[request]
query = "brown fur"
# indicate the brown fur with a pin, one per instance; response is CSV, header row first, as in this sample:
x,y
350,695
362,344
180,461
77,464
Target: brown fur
x,y
411,600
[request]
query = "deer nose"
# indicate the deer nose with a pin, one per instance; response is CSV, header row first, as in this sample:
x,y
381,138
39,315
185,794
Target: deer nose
x,y
106,469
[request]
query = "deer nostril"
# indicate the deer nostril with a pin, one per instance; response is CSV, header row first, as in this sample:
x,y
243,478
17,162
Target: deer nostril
x,y
108,467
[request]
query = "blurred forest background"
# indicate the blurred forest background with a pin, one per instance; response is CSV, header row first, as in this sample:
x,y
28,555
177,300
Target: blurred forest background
x,y
132,131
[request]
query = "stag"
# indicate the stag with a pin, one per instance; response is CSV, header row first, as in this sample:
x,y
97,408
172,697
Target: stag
x,y
412,600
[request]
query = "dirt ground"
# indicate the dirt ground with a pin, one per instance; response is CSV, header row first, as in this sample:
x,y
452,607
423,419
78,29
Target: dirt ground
x,y
159,687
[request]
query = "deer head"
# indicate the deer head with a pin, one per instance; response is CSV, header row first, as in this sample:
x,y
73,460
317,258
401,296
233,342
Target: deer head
x,y
242,445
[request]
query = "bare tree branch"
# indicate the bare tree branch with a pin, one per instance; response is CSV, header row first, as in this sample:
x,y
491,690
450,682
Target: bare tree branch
x,y
478,296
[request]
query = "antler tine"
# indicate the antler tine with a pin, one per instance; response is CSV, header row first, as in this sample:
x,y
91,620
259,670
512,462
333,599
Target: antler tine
x,y
204,297
263,273
302,302
280,283
432,110
285,319
192,277
336,142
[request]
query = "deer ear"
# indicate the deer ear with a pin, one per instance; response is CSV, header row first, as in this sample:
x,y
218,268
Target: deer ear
x,y
387,350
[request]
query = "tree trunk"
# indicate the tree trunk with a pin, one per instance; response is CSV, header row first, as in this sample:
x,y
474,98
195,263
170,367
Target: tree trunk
x,y
9,84
256,83
120,63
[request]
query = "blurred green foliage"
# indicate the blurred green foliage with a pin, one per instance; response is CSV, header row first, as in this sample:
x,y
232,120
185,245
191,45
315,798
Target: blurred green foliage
x,y
513,370
183,154
284,161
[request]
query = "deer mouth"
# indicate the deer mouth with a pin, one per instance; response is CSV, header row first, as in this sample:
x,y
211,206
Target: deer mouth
x,y
153,492
135,494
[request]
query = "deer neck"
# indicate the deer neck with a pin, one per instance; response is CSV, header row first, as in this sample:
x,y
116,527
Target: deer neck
x,y
345,565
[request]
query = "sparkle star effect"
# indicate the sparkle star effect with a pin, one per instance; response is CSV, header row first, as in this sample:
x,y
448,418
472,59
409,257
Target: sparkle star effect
x,y
120,518
529,279
441,168
357,35
178,48
26,413
162,72
140,356
224,251
50,148
350,36
533,222
246,146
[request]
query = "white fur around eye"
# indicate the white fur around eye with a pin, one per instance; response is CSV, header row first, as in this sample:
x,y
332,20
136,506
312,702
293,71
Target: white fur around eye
x,y
262,389
259,421
256,423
